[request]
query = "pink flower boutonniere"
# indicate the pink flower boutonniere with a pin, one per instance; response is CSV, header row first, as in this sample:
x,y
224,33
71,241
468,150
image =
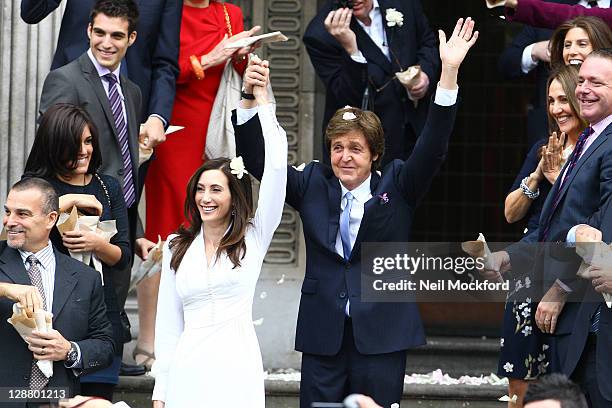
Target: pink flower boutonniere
x,y
384,198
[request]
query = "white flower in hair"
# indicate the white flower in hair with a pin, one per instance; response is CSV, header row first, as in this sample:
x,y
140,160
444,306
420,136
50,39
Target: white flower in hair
x,y
237,167
394,18
348,116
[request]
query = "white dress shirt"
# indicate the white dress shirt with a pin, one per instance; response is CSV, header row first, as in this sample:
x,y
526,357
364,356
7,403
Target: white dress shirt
x,y
46,259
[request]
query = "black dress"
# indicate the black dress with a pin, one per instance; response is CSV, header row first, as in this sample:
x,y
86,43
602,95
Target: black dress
x,y
525,351
108,193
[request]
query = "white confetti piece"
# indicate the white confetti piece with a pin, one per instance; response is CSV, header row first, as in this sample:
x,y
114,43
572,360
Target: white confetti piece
x,y
506,398
349,116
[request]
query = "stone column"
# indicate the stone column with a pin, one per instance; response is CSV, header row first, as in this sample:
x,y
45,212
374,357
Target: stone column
x,y
25,57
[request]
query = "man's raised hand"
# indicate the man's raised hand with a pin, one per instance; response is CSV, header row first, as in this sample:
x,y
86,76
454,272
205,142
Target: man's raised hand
x,y
453,51
338,24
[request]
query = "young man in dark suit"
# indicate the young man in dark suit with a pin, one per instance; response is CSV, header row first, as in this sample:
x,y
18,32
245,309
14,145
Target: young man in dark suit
x,y
356,53
39,277
151,63
349,346
94,82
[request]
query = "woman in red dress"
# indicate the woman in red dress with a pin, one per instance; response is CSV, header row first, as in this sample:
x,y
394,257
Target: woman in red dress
x,y
206,27
204,32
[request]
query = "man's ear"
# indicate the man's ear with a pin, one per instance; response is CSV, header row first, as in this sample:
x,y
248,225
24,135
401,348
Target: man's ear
x,y
52,219
132,38
89,31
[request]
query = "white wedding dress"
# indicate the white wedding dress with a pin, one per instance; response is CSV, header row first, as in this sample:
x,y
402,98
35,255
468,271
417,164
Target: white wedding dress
x,y
205,343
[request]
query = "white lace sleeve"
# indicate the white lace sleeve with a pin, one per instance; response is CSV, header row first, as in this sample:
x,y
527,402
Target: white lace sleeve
x,y
169,325
273,185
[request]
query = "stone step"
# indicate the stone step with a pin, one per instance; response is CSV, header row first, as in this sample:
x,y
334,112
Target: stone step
x,y
456,356
136,391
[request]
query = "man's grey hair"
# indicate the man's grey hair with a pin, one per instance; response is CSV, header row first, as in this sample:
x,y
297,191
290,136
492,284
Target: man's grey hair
x,y
50,198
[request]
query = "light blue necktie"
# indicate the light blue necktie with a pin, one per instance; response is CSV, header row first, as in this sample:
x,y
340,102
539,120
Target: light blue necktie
x,y
595,320
345,223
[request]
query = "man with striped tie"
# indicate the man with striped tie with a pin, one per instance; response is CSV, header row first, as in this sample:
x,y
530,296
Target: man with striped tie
x,y
93,81
38,277
570,308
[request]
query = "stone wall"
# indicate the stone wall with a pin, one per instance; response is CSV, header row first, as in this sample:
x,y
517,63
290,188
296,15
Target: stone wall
x,y
25,57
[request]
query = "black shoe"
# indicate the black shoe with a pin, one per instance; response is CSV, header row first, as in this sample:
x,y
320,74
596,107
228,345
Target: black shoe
x,y
131,369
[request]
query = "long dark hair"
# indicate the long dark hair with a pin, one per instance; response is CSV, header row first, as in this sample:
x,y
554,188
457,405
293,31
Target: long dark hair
x,y
599,34
242,212
58,142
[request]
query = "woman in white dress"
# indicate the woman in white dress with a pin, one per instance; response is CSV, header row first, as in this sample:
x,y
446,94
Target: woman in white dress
x,y
205,343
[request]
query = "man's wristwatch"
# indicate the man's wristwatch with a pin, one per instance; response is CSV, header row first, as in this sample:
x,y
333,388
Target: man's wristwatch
x,y
246,95
73,354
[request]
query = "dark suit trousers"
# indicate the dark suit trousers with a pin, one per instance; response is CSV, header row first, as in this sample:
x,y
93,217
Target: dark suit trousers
x,y
122,281
332,378
586,376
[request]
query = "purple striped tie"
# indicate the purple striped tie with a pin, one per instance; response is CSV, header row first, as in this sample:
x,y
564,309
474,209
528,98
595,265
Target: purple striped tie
x,y
38,380
129,193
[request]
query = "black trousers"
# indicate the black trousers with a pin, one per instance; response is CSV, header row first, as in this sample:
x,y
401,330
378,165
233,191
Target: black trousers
x,y
586,376
332,378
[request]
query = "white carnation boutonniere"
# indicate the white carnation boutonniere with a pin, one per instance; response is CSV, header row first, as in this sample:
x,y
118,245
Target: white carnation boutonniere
x,y
237,167
394,18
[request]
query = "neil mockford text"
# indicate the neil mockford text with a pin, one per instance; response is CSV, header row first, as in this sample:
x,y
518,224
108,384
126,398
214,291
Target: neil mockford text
x,y
424,272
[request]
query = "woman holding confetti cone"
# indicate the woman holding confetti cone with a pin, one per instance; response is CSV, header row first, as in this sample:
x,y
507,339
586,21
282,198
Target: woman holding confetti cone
x,y
66,153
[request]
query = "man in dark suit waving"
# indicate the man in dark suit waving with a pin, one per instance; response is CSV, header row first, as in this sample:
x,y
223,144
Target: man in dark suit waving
x,y
350,346
357,51
37,276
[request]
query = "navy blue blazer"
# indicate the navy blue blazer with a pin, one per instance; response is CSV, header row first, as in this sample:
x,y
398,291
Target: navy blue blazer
x,y
345,80
79,314
329,280
585,199
152,61
573,344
